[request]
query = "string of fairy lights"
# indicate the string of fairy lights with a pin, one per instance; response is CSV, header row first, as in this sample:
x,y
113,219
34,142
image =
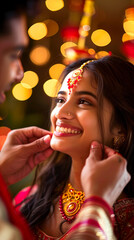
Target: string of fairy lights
x,y
72,48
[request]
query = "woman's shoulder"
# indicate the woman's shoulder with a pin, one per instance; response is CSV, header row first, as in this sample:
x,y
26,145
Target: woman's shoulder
x,y
124,216
24,193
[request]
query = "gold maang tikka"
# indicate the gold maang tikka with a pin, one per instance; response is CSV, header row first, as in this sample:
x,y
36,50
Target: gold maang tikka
x,y
76,76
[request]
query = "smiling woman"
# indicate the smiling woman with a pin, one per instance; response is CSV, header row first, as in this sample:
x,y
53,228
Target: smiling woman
x,y
99,107
82,105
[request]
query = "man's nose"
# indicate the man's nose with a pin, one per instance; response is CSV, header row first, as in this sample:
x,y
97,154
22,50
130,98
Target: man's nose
x,y
19,71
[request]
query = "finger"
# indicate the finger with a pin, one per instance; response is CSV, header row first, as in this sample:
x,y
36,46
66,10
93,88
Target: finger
x,y
127,176
38,132
95,151
40,157
116,163
38,145
31,132
108,151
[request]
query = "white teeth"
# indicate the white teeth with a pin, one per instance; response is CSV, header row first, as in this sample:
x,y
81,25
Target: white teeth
x,y
69,130
66,130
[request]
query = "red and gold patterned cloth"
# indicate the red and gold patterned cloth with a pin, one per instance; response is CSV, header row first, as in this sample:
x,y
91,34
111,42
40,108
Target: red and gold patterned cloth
x,y
124,216
124,219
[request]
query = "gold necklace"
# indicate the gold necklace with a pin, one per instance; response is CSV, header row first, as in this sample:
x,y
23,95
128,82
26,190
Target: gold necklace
x,y
70,203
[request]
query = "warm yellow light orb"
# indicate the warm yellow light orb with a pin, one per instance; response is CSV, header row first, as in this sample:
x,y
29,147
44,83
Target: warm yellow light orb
x,y
101,54
56,70
37,31
51,87
100,38
91,51
52,27
129,13
40,55
21,93
71,53
128,26
30,78
66,45
126,37
54,5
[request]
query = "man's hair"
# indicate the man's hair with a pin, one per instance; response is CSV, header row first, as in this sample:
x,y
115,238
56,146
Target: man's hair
x,y
15,8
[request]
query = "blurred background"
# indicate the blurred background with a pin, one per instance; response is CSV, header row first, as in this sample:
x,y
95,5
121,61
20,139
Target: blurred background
x,y
63,31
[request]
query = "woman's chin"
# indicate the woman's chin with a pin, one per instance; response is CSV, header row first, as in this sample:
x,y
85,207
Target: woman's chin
x,y
54,145
57,146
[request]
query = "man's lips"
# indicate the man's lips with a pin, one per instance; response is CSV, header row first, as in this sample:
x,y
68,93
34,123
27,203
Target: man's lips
x,y
2,97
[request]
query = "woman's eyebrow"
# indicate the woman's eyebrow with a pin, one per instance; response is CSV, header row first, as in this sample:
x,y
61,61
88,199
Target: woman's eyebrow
x,y
78,93
62,93
86,93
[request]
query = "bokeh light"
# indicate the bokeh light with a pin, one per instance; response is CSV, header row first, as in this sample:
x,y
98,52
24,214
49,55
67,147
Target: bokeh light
x,y
100,38
30,79
128,26
129,13
126,37
66,45
54,5
91,51
21,93
52,27
3,135
101,54
40,55
51,87
56,70
37,31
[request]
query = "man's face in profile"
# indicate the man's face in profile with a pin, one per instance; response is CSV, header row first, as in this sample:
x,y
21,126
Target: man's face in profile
x,y
11,48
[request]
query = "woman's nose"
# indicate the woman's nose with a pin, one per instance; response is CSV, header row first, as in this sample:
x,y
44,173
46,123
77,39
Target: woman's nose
x,y
65,112
65,115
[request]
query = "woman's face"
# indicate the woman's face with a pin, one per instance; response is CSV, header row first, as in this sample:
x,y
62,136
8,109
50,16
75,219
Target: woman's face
x,y
75,119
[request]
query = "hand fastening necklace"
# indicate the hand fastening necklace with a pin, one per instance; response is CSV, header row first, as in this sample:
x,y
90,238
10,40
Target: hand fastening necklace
x,y
70,203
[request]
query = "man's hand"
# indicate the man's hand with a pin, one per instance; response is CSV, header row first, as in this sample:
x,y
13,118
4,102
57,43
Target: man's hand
x,y
105,178
22,151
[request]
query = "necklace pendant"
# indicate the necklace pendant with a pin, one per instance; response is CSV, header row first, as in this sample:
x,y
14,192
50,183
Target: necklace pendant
x,y
70,203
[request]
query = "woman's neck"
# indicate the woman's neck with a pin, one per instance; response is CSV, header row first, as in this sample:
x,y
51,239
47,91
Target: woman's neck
x,y
75,174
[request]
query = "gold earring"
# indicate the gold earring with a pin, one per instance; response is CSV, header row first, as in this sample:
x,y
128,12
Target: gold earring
x,y
118,142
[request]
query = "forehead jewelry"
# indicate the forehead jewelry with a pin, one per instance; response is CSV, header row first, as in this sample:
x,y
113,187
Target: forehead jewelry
x,y
76,76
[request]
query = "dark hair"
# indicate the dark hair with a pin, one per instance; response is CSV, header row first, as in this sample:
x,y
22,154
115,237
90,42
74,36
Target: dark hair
x,y
115,81
15,8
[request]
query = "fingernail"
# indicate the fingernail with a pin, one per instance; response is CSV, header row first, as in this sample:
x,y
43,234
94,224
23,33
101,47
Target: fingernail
x,y
47,139
95,145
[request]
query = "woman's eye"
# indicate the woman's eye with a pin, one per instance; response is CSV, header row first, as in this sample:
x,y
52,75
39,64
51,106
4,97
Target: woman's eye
x,y
59,100
85,102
